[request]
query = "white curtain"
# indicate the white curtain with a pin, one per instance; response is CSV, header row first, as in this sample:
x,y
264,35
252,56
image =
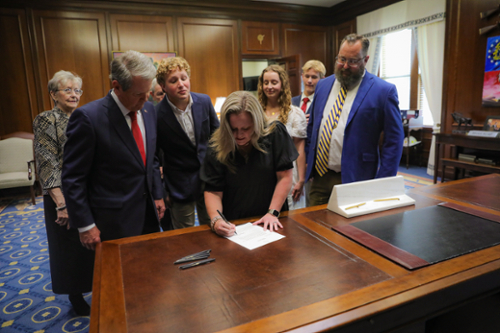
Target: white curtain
x,y
430,59
374,55
399,16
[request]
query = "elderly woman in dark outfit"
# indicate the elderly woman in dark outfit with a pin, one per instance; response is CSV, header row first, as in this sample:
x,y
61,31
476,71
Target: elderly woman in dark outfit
x,y
248,167
71,265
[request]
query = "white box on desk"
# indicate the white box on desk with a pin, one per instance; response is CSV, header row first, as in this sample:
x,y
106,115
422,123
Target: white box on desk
x,y
369,196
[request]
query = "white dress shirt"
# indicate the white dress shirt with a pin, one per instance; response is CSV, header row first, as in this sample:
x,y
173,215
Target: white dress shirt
x,y
185,118
337,140
308,103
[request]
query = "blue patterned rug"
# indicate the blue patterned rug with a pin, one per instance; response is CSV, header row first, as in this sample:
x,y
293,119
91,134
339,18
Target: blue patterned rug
x,y
27,303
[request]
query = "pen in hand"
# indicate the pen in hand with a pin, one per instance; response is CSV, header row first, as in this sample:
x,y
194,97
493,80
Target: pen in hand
x,y
225,220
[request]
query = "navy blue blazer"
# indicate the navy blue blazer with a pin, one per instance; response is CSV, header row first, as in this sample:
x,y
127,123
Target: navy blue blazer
x,y
296,100
375,110
104,178
183,160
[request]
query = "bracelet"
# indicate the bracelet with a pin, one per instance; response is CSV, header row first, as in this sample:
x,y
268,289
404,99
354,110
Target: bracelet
x,y
61,208
212,222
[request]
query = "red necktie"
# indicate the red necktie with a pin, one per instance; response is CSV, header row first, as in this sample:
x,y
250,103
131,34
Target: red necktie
x,y
136,132
304,104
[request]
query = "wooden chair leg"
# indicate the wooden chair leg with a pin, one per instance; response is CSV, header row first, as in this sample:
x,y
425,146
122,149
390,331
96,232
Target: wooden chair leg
x,y
32,190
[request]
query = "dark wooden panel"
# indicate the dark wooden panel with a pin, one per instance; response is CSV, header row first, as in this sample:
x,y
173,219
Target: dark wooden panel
x,y
266,44
73,42
211,48
142,33
339,32
17,87
292,66
465,53
311,42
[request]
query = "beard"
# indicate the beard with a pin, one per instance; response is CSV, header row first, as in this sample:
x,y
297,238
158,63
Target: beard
x,y
352,78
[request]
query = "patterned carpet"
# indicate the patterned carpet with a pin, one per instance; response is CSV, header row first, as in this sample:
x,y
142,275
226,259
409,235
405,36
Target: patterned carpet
x,y
27,303
412,181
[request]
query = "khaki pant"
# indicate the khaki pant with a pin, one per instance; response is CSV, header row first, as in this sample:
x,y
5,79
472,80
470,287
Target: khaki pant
x,y
183,213
321,187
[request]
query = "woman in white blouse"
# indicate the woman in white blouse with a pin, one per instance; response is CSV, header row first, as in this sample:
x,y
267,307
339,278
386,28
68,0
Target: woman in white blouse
x,y
276,100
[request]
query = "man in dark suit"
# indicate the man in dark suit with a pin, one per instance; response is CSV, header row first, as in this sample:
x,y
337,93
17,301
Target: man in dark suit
x,y
312,72
186,120
350,111
110,176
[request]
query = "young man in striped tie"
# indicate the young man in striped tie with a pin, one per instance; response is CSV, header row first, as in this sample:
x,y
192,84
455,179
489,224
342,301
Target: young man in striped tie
x,y
312,72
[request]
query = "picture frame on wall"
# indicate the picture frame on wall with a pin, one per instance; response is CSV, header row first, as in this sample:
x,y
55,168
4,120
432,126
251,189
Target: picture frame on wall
x,y
155,57
492,123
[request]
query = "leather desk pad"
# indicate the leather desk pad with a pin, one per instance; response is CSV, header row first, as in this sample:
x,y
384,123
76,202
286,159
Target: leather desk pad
x,y
424,236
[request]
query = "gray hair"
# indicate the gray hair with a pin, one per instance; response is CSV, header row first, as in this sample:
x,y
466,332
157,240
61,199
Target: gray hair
x,y
61,78
353,38
129,65
153,85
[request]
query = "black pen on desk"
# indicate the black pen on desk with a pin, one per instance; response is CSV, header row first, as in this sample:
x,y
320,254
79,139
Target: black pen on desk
x,y
198,263
225,220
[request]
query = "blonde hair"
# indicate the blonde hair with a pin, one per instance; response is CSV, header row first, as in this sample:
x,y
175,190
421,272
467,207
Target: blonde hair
x,y
285,97
315,65
223,142
168,65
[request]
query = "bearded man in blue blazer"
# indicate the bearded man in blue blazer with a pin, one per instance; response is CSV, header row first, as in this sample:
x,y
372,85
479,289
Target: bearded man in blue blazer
x,y
350,111
186,121
110,177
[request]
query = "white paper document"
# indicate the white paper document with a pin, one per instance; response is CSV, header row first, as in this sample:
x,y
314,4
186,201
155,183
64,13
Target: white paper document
x,y
253,236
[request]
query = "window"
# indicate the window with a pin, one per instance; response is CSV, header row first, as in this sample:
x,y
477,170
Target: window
x,y
399,65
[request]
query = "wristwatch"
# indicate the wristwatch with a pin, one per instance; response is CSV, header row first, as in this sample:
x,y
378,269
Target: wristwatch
x,y
274,212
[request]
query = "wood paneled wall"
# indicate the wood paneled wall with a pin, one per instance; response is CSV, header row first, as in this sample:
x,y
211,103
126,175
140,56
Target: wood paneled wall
x,y
212,50
311,42
465,54
73,42
17,87
142,33
39,40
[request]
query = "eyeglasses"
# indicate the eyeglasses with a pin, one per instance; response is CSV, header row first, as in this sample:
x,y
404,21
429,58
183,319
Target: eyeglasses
x,y
67,91
350,62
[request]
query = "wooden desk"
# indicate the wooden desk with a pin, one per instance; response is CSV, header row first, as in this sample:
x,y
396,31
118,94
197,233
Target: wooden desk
x,y
314,279
465,141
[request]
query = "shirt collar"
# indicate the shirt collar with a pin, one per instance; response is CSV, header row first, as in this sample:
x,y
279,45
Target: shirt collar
x,y
123,109
176,109
311,97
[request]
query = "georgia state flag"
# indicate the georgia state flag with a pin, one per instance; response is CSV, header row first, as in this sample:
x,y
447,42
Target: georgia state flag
x,y
492,54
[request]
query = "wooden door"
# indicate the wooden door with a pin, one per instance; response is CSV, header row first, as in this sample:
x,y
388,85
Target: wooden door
x,y
311,42
292,66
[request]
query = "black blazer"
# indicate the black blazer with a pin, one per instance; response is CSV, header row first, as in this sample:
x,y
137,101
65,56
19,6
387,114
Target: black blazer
x,y
183,160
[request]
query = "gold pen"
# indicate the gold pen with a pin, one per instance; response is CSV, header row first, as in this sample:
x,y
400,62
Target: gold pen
x,y
388,199
356,206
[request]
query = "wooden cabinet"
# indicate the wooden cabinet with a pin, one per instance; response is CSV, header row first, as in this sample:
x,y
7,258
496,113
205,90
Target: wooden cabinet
x,y
260,38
